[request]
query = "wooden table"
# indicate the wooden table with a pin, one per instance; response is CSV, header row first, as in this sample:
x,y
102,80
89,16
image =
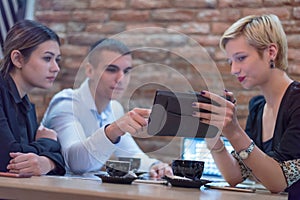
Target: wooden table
x,y
64,188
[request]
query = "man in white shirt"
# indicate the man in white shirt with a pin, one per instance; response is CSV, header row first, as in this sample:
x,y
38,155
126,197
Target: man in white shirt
x,y
91,124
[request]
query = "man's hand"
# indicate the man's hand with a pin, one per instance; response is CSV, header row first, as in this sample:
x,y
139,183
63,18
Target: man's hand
x,y
161,169
132,122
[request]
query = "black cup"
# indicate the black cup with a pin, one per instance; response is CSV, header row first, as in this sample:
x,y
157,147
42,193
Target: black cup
x,y
134,162
117,168
192,169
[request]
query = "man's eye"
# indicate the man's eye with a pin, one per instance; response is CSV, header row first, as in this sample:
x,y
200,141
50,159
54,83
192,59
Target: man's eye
x,y
127,70
112,69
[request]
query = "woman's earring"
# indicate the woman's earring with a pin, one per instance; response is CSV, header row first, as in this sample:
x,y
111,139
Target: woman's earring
x,y
272,64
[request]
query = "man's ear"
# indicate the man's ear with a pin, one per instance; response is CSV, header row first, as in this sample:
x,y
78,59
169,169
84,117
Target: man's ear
x,y
89,70
17,58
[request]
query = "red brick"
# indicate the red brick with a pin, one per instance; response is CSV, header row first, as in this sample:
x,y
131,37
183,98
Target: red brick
x,y
293,40
219,27
207,40
293,54
153,4
130,15
195,4
76,26
173,15
207,15
269,3
294,69
57,16
104,4
68,50
230,15
43,5
291,26
89,16
240,3
296,12
70,5
83,38
191,27
146,28
106,28
72,62
282,12
150,55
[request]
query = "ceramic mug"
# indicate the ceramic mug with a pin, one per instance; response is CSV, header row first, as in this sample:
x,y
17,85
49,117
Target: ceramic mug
x,y
192,169
117,168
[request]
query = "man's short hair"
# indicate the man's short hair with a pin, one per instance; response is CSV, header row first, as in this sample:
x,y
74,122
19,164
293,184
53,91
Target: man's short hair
x,y
106,44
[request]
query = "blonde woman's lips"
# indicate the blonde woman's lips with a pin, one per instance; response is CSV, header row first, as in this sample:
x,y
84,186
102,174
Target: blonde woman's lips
x,y
241,78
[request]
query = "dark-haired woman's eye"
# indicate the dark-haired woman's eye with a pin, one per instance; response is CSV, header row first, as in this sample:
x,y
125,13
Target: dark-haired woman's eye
x,y
47,58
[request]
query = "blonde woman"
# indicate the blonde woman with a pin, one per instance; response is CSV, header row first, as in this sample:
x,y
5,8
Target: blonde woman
x,y
256,49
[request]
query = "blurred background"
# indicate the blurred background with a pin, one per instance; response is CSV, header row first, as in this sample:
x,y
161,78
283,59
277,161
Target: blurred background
x,y
174,43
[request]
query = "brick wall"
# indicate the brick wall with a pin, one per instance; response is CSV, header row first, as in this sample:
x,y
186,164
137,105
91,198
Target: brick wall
x,y
175,45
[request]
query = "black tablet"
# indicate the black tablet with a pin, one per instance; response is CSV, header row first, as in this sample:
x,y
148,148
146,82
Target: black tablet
x,y
171,115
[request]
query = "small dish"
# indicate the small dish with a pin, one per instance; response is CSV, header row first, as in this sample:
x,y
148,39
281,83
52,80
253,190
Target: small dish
x,y
139,173
115,179
187,183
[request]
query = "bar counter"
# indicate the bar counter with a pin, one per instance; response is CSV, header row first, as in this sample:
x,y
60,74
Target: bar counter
x,y
62,188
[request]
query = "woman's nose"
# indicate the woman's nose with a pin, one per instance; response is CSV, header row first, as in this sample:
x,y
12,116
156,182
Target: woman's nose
x,y
55,67
235,69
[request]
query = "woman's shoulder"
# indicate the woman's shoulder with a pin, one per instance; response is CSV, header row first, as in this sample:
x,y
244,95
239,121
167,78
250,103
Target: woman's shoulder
x,y
3,82
294,89
7,87
292,95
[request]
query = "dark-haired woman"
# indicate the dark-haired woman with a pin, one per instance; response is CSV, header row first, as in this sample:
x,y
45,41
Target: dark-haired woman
x,y
31,55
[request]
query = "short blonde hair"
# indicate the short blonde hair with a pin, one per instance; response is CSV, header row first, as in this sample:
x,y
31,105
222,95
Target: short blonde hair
x,y
260,32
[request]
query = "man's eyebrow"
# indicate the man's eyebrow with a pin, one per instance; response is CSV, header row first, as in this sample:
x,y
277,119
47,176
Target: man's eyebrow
x,y
112,65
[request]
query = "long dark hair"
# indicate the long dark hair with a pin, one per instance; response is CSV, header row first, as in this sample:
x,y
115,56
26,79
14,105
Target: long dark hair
x,y
24,36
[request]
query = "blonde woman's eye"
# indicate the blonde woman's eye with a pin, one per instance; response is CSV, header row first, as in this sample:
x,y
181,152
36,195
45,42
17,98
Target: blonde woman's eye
x,y
241,58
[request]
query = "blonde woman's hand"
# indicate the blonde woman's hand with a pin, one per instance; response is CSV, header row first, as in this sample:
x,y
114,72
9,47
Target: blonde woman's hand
x,y
223,116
